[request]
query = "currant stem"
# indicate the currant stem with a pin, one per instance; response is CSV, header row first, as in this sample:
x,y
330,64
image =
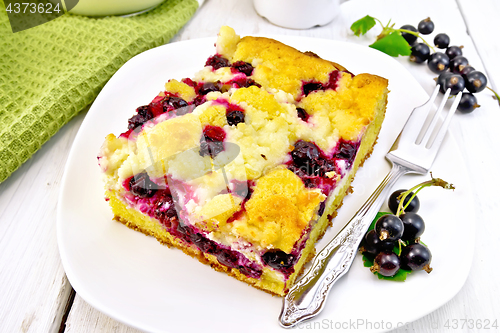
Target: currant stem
x,y
418,35
418,188
495,93
387,29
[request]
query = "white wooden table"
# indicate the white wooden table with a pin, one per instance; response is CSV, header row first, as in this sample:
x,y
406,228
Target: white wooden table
x,y
35,295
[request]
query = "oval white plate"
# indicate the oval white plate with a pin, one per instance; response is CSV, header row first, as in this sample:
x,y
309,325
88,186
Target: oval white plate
x,y
137,281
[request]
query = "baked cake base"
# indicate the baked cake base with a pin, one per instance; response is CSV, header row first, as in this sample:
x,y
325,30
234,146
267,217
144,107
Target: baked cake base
x,y
244,165
151,227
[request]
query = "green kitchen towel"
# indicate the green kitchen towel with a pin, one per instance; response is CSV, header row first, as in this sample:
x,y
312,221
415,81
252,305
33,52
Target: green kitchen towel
x,y
51,72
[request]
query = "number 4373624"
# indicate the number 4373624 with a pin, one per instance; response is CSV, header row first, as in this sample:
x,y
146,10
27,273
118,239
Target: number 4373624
x,y
27,7
485,324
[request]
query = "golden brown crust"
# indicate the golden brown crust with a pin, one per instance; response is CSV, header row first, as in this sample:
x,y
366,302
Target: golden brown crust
x,y
279,209
273,58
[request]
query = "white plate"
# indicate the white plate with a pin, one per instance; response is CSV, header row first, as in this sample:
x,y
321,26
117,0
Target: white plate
x,y
137,281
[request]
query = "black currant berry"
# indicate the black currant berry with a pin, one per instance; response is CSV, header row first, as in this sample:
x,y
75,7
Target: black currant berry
x,y
142,116
311,86
438,62
426,26
458,63
411,39
420,53
346,151
416,257
302,114
466,70
386,264
394,202
141,185
389,227
454,51
165,209
243,67
304,153
235,117
209,87
468,103
278,259
217,62
454,82
372,243
441,79
414,226
475,81
442,41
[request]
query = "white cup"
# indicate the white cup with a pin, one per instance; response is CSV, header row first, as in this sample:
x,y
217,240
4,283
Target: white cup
x,y
298,14
113,7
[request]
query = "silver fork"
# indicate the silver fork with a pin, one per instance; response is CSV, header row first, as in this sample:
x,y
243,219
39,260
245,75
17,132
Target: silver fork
x,y
307,297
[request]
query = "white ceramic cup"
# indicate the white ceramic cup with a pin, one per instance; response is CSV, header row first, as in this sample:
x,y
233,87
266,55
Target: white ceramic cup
x,y
113,7
298,14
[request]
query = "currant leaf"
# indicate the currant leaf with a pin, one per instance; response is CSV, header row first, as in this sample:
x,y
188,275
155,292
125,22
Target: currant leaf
x,y
393,44
363,25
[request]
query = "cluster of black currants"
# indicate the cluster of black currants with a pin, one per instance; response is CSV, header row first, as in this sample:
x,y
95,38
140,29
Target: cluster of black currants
x,y
453,68
395,234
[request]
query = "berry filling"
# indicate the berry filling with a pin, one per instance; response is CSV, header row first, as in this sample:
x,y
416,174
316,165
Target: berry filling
x,y
165,210
302,114
224,255
163,104
126,134
242,67
243,82
199,100
243,189
209,87
217,62
308,87
142,186
142,116
189,82
312,165
234,117
280,260
346,151
212,142
159,203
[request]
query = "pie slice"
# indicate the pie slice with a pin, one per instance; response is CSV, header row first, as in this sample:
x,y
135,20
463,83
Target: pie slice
x,y
244,165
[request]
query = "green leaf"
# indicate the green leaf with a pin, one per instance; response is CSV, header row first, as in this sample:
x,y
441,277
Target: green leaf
x,y
393,44
361,26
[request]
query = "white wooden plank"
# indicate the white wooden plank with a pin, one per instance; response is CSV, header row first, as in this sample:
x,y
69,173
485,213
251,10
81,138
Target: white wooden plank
x,y
33,287
83,318
481,17
479,297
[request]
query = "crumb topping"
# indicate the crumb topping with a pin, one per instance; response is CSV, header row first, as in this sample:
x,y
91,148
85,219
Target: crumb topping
x,y
279,210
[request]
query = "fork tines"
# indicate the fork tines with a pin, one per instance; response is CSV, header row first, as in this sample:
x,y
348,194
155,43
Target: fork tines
x,y
434,142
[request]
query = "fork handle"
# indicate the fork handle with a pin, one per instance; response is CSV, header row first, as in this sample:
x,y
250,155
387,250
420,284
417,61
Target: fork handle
x,y
307,297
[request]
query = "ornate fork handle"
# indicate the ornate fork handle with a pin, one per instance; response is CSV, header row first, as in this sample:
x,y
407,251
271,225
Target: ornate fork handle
x,y
307,297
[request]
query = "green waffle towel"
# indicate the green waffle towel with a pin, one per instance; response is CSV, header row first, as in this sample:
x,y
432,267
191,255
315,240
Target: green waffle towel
x,y
51,72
